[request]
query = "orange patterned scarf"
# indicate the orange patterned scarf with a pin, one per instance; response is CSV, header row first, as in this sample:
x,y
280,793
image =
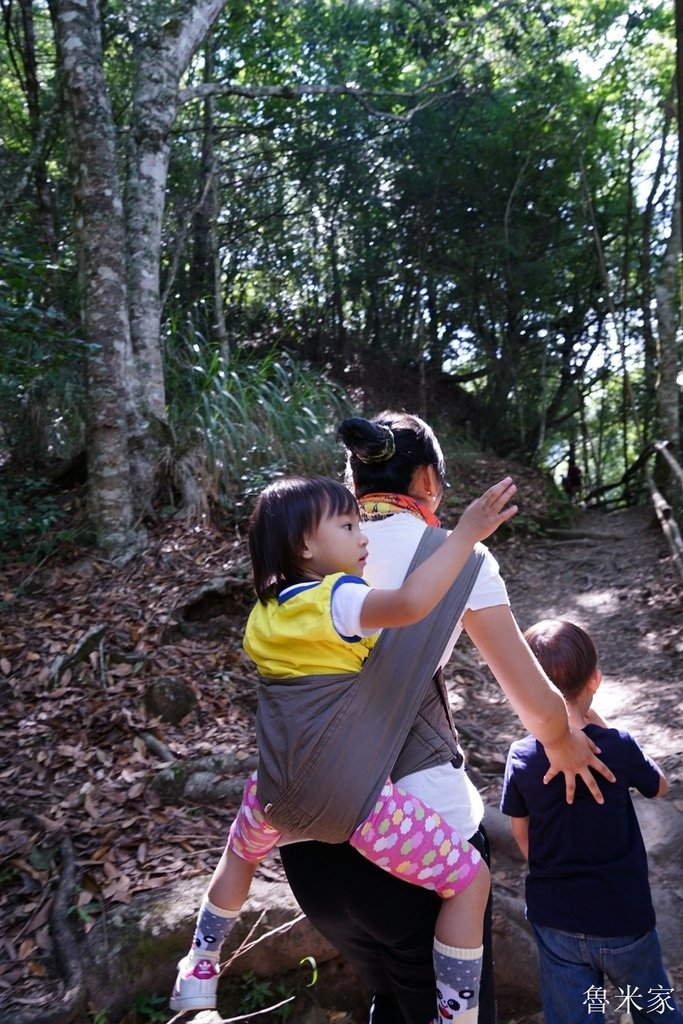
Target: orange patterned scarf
x,y
381,506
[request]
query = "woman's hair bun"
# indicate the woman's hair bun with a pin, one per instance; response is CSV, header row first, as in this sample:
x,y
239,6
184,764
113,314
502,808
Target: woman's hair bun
x,y
369,442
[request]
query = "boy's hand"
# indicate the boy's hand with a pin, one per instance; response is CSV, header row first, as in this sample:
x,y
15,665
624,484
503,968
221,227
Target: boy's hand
x,y
487,513
576,755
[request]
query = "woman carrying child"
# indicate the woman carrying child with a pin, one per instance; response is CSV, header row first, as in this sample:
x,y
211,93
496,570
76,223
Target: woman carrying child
x,y
316,617
396,468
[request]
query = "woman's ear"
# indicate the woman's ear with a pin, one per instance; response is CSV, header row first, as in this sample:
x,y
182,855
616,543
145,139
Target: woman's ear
x,y
426,486
435,482
422,484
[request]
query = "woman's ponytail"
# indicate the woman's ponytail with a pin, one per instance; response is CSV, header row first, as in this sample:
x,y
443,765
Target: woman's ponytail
x,y
369,442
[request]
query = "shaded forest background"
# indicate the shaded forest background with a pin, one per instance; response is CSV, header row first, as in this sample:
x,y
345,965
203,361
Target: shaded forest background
x,y
219,222
223,228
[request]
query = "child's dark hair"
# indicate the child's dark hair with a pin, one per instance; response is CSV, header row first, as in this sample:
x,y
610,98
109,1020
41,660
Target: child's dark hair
x,y
566,654
384,452
285,511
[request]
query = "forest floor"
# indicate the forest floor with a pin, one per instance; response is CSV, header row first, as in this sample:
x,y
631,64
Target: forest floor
x,y
82,641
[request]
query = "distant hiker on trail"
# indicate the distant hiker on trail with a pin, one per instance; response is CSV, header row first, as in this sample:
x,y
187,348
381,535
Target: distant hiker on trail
x,y
587,891
573,481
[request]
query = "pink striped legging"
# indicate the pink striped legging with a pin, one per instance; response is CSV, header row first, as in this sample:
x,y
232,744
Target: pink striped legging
x,y
402,835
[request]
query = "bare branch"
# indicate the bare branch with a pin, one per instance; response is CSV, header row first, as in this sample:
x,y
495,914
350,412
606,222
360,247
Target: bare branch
x,y
288,92
248,943
362,96
179,244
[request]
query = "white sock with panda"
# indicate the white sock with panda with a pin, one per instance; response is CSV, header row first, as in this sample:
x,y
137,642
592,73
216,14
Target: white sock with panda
x,y
212,929
458,972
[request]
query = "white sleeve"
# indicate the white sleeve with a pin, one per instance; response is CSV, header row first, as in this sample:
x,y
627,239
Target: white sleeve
x,y
489,588
347,601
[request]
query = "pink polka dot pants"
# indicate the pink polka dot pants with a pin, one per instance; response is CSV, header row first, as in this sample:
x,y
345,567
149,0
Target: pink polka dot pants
x,y
401,834
251,837
407,838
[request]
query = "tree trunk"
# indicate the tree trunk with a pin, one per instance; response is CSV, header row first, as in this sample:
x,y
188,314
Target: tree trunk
x,y
160,65
646,275
338,320
101,252
667,329
203,211
119,256
44,205
206,270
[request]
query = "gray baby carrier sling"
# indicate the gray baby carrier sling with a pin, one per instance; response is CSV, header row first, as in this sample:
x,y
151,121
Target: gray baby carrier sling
x,y
342,734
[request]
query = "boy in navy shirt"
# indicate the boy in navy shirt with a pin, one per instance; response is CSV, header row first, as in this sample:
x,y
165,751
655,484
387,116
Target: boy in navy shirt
x,y
587,891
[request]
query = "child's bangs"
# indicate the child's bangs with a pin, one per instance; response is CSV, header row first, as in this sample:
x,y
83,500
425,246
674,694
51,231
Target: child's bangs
x,y
339,500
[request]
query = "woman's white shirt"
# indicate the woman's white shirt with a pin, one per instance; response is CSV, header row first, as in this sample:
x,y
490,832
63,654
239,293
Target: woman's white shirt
x,y
392,544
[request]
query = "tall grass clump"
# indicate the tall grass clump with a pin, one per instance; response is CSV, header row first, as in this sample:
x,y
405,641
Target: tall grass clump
x,y
245,421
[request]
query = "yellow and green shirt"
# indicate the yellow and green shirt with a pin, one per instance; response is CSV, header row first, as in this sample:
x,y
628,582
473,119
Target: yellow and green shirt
x,y
294,634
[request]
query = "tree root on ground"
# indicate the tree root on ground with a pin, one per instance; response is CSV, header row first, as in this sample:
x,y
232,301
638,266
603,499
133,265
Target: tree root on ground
x,y
68,955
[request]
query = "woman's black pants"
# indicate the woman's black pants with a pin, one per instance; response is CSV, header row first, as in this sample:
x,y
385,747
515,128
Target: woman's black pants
x,y
382,926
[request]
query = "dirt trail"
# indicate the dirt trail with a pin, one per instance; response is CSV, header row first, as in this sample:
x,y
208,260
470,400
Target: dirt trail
x,y
613,574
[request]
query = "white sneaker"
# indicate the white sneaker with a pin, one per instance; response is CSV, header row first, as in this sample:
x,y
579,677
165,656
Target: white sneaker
x,y
195,985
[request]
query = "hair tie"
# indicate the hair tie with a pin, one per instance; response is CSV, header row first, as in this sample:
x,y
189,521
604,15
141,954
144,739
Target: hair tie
x,y
388,450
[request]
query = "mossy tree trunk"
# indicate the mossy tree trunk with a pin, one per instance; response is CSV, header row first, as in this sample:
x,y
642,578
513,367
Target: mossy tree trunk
x,y
119,245
101,263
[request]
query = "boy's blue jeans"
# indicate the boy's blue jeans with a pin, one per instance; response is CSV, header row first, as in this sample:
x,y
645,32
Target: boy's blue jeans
x,y
575,970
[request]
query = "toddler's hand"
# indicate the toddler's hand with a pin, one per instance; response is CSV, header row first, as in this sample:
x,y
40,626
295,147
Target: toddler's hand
x,y
485,514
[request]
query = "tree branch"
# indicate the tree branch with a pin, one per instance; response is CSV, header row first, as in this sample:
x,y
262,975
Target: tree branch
x,y
194,24
293,92
40,147
68,954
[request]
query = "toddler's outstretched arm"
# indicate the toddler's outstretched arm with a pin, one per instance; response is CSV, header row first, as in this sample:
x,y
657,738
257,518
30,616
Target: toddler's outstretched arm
x,y
426,585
